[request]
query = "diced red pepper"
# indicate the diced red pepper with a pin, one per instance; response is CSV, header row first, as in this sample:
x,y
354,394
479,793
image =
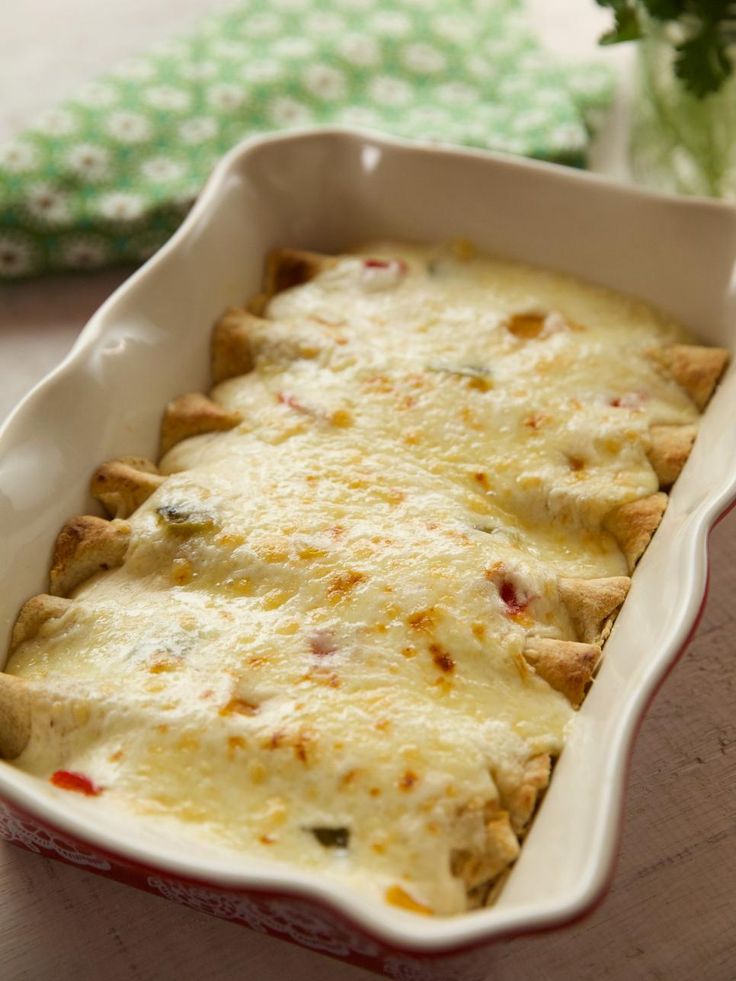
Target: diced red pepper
x,y
513,602
78,782
293,403
631,400
385,264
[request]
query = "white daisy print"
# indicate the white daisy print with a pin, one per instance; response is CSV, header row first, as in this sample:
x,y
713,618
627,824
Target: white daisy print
x,y
289,4
97,95
392,23
518,87
197,130
168,97
199,71
529,119
430,115
288,112
457,94
455,28
225,97
325,82
128,127
262,25
423,58
135,69
88,161
508,143
530,61
162,170
230,50
121,206
480,66
17,254
360,50
57,122
294,47
390,91
568,136
18,157
355,4
84,251
262,71
360,116
500,47
325,23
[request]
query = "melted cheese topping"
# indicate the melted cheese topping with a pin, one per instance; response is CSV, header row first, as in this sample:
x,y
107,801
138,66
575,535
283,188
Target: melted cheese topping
x,y
311,651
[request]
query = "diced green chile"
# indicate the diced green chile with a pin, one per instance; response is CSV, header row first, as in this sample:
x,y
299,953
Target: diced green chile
x,y
181,517
332,837
463,370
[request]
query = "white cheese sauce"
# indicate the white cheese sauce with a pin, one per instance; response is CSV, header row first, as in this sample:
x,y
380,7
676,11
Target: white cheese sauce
x,y
319,640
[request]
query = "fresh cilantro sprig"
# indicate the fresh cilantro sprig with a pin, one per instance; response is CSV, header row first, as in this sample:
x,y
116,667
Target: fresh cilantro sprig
x,y
703,61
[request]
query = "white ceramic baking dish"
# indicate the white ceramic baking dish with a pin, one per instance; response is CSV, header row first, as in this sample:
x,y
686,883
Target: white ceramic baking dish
x,y
325,190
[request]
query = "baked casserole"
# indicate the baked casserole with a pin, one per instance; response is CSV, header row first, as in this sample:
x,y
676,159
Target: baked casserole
x,y
347,618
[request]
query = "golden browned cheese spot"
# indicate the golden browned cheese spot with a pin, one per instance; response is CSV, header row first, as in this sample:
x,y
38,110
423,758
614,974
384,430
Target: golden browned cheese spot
x,y
86,545
696,369
526,326
442,658
632,525
193,415
423,620
670,447
343,583
566,665
398,896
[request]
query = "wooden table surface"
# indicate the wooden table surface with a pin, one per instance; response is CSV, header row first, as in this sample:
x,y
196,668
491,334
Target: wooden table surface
x,y
671,912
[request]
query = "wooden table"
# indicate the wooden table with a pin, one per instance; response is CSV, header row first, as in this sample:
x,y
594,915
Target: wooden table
x,y
671,912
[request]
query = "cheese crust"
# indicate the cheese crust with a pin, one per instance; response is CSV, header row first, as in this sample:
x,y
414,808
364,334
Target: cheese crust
x,y
347,618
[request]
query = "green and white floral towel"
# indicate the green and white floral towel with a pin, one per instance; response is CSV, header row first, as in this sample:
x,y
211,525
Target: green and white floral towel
x,y
107,177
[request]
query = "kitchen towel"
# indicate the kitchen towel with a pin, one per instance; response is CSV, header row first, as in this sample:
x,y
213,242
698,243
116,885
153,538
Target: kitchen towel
x,y
106,177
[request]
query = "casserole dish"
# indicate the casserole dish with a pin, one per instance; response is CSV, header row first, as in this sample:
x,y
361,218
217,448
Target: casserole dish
x,y
325,190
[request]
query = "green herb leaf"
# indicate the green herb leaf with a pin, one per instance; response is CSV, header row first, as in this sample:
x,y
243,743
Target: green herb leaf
x,y
664,9
704,59
627,25
702,62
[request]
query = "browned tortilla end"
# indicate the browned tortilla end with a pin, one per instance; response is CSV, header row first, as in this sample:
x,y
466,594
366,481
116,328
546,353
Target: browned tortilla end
x,y
669,449
500,848
695,368
34,613
566,665
591,604
633,524
232,352
522,798
193,415
15,716
122,485
86,545
285,268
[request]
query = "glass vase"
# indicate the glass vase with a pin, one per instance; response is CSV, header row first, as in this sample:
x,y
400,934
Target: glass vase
x,y
680,143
